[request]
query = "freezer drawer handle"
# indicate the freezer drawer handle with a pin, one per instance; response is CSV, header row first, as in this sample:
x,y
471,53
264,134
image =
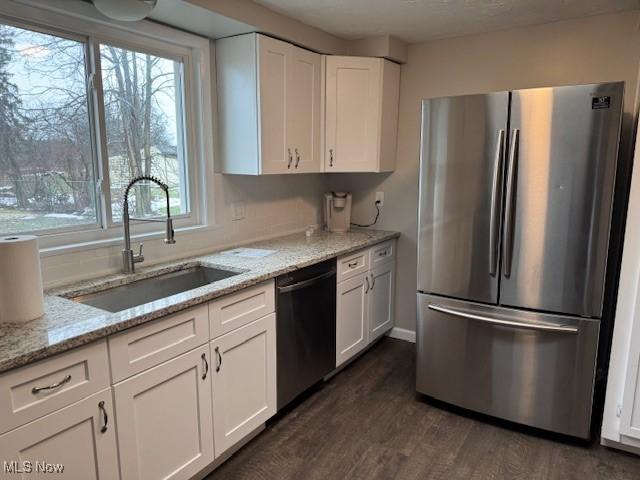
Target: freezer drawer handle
x,y
545,327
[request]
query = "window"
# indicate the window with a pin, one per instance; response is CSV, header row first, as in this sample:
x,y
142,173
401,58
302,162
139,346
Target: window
x,y
80,116
47,175
143,120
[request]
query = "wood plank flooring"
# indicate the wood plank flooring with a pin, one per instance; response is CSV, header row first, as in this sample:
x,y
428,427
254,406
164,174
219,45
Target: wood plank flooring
x,y
367,423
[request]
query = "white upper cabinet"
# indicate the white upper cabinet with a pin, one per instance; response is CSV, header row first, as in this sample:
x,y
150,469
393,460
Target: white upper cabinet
x,y
268,106
303,110
272,104
361,114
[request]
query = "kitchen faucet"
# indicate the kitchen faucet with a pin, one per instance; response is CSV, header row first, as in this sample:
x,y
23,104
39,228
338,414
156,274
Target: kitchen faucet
x,y
129,259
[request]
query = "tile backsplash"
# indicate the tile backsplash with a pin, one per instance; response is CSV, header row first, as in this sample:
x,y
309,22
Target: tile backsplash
x,y
269,205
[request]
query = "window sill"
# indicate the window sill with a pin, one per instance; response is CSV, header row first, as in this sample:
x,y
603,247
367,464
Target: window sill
x,y
118,240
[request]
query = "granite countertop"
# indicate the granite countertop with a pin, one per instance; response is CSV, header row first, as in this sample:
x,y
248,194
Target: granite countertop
x,y
67,324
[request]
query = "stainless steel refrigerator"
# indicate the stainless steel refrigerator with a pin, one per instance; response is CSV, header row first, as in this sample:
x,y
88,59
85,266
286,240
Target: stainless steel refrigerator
x,y
516,193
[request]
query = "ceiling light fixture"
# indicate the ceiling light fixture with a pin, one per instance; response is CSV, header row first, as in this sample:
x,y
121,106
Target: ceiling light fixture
x,y
125,10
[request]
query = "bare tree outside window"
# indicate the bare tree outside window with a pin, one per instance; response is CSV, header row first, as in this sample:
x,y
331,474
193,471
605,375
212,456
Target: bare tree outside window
x,y
47,176
144,128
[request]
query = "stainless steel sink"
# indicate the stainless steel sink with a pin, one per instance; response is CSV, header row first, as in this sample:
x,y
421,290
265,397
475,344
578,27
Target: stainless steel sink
x,y
144,291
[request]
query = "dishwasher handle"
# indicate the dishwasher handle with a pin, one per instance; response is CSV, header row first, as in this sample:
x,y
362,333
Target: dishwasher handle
x,y
306,283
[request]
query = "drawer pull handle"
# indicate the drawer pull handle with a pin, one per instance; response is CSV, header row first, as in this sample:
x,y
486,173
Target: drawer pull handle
x,y
382,253
367,289
53,386
543,327
104,416
219,363
373,281
206,366
353,264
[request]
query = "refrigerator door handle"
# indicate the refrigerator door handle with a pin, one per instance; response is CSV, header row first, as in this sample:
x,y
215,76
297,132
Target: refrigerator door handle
x,y
507,252
496,188
544,327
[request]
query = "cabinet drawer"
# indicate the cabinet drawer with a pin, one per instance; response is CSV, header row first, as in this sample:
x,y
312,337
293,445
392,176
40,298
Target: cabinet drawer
x,y
383,252
238,309
354,264
35,390
148,345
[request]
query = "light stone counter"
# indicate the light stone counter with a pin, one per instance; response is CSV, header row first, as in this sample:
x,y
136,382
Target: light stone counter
x,y
67,324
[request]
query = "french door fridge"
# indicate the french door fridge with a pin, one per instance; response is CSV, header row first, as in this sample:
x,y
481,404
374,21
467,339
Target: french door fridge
x,y
516,192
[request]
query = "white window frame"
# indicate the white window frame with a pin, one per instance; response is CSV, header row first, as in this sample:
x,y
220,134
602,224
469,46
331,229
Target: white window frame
x,y
80,21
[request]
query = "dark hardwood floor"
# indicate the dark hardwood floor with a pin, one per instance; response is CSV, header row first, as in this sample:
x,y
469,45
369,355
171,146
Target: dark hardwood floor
x,y
367,423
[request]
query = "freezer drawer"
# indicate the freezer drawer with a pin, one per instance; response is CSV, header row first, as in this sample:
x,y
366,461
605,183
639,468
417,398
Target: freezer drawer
x,y
530,368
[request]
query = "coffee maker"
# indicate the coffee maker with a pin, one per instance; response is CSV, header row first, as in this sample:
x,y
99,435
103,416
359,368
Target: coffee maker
x,y
337,211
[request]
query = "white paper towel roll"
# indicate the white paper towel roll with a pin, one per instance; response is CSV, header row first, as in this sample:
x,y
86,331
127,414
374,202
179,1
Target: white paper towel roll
x,y
21,297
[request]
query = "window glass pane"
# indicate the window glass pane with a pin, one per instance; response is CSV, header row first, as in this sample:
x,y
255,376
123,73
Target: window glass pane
x,y
46,163
144,124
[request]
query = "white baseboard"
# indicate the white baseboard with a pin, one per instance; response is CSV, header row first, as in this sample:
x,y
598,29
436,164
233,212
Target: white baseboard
x,y
620,446
402,334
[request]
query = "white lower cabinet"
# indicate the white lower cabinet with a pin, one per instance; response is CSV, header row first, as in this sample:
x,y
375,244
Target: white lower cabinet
x,y
381,299
243,381
165,427
351,317
365,302
79,439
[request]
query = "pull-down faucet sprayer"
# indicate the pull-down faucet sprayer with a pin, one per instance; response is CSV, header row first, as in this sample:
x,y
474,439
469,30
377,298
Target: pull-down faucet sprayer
x,y
129,259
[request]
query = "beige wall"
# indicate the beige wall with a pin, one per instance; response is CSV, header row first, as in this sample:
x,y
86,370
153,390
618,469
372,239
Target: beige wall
x,y
595,49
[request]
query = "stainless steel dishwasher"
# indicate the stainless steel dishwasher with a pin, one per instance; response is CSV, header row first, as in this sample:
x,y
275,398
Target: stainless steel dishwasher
x,y
306,328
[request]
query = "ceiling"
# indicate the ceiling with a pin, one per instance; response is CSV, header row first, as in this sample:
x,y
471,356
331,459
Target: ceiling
x,y
421,20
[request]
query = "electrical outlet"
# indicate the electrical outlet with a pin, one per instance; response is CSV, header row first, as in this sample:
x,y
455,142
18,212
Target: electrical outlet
x,y
380,198
237,210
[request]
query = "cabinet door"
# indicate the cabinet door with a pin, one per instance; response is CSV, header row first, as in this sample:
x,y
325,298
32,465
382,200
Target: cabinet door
x,y
164,419
381,299
272,99
352,114
244,381
303,110
79,439
351,317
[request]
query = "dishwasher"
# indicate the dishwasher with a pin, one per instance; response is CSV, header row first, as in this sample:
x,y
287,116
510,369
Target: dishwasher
x,y
306,328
